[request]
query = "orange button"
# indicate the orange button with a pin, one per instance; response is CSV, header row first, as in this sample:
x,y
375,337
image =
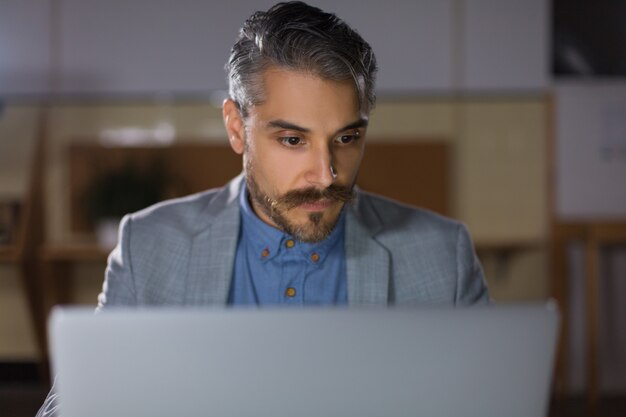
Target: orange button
x,y
265,253
315,257
290,292
290,243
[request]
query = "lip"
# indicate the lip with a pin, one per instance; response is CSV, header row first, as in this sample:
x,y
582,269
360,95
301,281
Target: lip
x,y
319,205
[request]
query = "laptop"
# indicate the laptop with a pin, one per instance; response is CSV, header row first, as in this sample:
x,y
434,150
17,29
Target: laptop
x,y
483,361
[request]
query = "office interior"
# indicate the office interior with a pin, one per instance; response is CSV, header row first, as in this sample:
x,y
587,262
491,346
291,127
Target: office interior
x,y
527,122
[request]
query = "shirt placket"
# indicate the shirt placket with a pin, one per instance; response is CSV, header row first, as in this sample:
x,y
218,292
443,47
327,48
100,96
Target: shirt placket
x,y
293,276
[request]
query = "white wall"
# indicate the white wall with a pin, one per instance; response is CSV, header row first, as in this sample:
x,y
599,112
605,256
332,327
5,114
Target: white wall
x,y
505,45
591,150
24,46
159,46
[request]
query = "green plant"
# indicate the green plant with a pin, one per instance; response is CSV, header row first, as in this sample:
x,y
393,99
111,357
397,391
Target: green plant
x,y
116,193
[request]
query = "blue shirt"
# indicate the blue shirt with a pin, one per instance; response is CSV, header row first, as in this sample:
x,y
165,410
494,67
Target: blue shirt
x,y
273,268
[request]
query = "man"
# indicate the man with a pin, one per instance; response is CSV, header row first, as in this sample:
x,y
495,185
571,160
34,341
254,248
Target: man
x,y
292,229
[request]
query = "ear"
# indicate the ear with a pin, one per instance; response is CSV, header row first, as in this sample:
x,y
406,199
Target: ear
x,y
235,127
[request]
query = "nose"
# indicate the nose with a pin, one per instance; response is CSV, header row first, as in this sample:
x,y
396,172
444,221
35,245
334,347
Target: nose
x,y
321,172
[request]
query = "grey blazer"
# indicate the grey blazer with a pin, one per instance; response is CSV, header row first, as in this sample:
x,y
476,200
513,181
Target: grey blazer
x,y
182,252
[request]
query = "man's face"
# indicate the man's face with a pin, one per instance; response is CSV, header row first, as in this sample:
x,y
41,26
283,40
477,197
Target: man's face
x,y
305,126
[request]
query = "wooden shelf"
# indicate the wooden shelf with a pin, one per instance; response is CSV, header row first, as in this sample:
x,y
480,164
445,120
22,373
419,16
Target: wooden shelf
x,y
595,235
9,253
508,245
607,232
74,253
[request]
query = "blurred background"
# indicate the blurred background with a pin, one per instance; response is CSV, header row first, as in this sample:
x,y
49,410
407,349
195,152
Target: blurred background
x,y
509,115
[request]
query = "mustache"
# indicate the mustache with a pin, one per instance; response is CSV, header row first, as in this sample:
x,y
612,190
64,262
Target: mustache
x,y
294,198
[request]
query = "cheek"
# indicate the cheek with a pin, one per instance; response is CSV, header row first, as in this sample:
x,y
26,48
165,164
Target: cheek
x,y
278,169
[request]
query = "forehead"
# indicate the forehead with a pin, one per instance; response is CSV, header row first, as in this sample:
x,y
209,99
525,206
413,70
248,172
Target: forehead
x,y
305,98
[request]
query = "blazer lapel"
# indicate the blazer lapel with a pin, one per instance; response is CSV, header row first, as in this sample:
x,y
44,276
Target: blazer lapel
x,y
213,253
367,263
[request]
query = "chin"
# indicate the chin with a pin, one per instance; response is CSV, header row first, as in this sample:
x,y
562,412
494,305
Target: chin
x,y
313,226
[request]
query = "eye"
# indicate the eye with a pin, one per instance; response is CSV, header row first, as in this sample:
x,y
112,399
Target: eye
x,y
347,139
291,140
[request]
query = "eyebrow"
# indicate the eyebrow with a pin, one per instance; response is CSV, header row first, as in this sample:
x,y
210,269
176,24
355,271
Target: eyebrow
x,y
283,124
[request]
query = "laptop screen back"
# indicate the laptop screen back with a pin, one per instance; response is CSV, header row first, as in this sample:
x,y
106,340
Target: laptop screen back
x,y
488,361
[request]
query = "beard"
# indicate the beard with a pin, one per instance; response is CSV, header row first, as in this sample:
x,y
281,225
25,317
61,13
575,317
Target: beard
x,y
316,228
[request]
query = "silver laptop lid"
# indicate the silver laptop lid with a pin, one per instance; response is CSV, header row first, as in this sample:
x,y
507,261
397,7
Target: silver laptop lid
x,y
488,361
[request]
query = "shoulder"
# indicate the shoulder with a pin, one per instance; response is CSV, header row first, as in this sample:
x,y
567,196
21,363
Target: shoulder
x,y
389,217
432,257
180,213
189,214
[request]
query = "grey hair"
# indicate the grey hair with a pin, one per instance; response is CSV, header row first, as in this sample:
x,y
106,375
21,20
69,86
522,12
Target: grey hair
x,y
296,36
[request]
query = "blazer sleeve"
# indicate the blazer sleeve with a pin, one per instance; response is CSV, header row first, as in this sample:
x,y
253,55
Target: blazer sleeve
x,y
471,287
118,288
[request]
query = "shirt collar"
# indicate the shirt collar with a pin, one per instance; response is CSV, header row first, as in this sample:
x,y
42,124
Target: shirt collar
x,y
268,242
